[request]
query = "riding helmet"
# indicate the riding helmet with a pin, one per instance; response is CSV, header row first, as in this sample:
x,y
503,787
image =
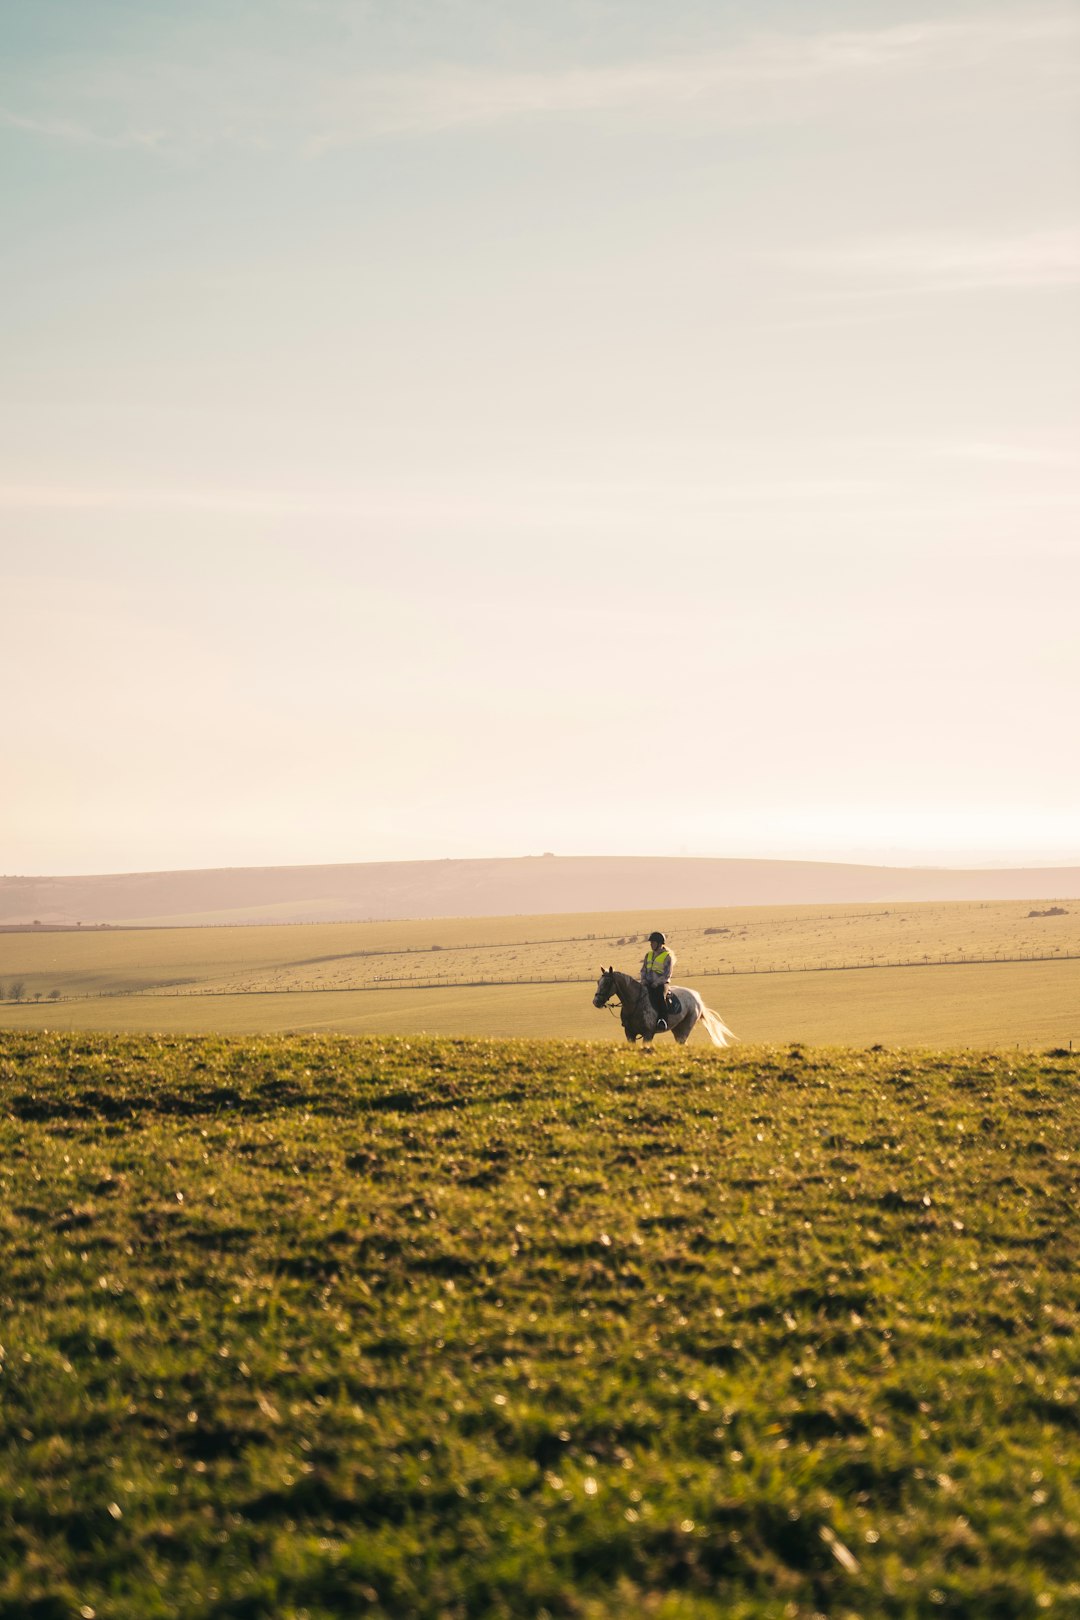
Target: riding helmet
x,y
657,938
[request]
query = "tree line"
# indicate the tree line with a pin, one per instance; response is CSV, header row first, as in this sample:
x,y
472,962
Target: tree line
x,y
16,991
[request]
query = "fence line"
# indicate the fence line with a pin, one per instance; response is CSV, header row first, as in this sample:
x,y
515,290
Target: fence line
x,y
446,982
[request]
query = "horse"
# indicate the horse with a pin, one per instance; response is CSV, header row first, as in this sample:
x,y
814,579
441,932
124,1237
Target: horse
x,y
639,1018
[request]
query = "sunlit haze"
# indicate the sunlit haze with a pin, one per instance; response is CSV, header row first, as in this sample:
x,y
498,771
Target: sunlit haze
x,y
599,427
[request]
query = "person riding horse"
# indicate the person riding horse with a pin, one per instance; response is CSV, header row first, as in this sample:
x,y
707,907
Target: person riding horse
x,y
656,975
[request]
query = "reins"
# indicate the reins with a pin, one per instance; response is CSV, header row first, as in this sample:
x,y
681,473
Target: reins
x,y
609,1004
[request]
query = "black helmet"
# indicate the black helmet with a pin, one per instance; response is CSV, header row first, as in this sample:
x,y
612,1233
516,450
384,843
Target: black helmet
x,y
657,938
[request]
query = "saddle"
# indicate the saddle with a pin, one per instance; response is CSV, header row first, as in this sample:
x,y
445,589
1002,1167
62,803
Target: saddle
x,y
672,1007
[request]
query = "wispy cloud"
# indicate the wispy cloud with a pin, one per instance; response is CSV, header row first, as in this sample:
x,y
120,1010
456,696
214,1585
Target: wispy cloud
x,y
222,501
58,129
727,84
1015,455
598,506
945,264
199,93
514,505
455,96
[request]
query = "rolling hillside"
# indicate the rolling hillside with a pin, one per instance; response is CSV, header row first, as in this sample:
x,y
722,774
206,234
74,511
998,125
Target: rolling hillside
x,y
484,888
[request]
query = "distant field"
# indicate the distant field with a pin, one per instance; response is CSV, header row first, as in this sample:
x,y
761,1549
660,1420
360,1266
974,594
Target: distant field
x,y
406,1329
745,963
1030,1004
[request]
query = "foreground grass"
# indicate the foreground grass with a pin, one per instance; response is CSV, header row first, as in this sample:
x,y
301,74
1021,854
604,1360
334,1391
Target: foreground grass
x,y
320,1327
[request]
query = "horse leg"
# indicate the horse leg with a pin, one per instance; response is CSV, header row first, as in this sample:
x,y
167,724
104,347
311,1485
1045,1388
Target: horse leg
x,y
645,1026
684,1027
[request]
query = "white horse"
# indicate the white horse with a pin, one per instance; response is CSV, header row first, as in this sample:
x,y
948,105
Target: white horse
x,y
639,1017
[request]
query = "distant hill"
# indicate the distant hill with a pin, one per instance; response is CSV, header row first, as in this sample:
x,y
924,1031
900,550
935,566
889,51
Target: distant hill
x,y
529,885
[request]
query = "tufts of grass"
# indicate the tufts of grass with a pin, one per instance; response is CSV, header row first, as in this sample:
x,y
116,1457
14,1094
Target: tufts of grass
x,y
318,1327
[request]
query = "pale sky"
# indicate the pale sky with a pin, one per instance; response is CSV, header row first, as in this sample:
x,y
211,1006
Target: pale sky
x,y
448,427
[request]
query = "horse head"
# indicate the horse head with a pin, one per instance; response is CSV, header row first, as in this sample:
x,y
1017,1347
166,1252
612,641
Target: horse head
x,y
605,987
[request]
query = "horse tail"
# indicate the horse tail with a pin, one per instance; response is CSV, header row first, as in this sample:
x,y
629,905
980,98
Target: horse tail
x,y
718,1031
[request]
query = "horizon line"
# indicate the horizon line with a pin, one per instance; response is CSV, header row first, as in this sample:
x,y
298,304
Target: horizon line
x,y
916,862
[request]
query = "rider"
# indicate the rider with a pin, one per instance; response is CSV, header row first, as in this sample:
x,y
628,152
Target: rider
x,y
656,975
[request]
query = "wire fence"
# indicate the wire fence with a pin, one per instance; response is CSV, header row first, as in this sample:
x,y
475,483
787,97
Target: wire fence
x,y
451,981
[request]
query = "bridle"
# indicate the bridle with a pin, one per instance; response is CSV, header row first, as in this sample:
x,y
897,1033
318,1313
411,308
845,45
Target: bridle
x,y
609,1004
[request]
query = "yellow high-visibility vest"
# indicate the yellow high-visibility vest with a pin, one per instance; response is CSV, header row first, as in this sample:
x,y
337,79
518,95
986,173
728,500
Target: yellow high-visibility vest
x,y
657,961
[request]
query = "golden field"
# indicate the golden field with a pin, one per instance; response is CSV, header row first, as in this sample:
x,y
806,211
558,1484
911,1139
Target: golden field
x,y
818,974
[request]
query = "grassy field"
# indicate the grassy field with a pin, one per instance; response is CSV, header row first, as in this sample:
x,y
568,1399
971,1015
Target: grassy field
x,y
338,956
1003,1004
368,977
312,1328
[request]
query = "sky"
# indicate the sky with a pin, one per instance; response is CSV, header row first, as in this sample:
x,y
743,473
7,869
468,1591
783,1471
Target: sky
x,y
456,428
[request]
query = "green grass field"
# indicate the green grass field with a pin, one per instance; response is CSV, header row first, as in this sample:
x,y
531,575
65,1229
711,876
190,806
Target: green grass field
x,y
321,1327
342,976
